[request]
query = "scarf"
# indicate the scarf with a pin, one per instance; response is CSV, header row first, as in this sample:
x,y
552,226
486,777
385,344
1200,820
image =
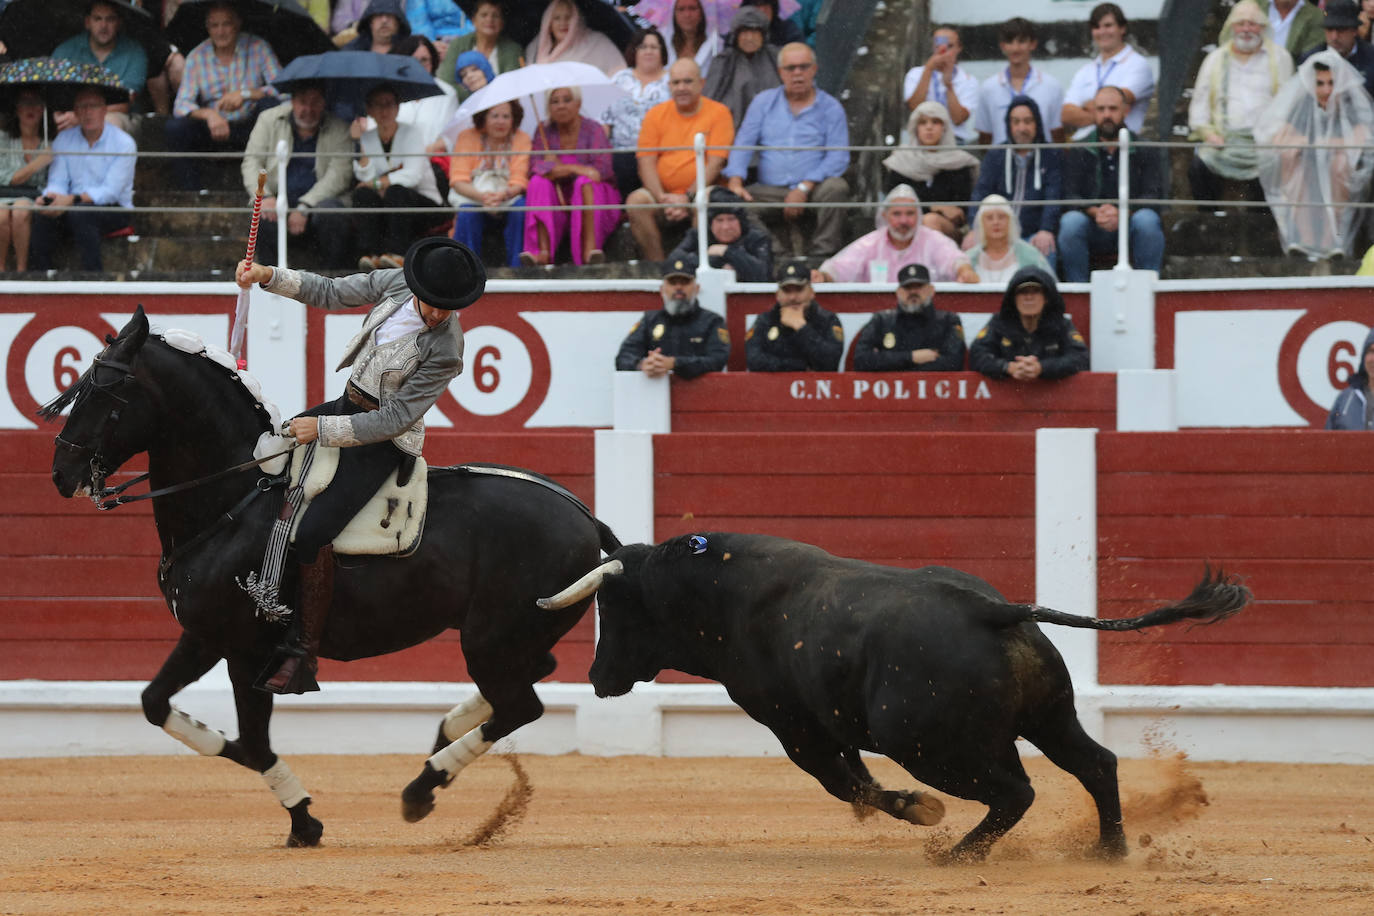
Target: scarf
x,y
922,163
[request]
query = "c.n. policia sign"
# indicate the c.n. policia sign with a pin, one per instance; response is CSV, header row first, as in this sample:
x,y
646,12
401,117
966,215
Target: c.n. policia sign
x,y
962,388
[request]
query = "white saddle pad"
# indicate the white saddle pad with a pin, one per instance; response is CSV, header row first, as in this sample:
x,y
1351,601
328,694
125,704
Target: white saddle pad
x,y
390,523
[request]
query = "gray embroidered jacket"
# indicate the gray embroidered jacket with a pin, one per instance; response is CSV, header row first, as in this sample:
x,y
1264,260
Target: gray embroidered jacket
x,y
405,376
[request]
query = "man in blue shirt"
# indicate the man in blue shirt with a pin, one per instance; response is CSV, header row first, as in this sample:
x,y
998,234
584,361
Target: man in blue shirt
x,y
102,44
77,183
796,114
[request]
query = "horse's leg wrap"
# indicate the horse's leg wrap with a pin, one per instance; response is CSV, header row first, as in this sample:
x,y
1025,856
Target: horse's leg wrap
x,y
466,716
460,753
284,784
195,735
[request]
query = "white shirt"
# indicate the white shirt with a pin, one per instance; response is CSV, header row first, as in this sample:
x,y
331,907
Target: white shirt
x,y
407,165
625,115
400,323
1249,89
996,93
1282,24
1126,70
965,90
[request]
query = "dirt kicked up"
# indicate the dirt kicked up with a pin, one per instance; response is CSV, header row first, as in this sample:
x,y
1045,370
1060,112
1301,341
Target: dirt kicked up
x,y
630,835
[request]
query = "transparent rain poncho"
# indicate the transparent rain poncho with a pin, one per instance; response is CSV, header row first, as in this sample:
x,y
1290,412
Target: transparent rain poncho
x,y
1327,166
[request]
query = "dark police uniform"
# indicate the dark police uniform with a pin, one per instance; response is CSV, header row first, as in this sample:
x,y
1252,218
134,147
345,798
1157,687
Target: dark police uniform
x,y
697,339
886,342
1055,341
771,346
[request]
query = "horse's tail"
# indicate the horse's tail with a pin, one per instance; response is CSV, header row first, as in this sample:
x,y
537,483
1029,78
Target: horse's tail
x,y
1212,600
609,542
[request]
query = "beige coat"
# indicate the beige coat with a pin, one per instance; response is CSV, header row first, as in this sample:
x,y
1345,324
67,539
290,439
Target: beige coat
x,y
333,174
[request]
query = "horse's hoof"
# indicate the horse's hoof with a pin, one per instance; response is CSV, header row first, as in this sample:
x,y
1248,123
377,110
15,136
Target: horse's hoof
x,y
417,799
923,809
305,830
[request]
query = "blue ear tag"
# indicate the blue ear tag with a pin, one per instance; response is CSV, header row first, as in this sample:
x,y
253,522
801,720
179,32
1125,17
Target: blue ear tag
x,y
697,543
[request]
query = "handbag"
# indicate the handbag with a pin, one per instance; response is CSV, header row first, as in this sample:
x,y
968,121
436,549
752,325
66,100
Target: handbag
x,y
486,181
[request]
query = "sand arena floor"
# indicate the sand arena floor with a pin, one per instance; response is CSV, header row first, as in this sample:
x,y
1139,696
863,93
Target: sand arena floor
x,y
648,835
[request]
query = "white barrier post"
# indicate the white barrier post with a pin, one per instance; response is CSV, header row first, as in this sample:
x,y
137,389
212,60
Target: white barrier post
x,y
282,153
1066,546
1146,401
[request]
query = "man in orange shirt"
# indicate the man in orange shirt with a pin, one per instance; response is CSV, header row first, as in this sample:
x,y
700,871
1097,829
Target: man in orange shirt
x,y
669,176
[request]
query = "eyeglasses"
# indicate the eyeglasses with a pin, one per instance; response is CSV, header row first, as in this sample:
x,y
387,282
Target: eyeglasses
x,y
796,68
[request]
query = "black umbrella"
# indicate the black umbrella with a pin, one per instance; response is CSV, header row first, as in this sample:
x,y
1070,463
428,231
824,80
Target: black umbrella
x,y
58,81
523,17
33,28
349,76
284,24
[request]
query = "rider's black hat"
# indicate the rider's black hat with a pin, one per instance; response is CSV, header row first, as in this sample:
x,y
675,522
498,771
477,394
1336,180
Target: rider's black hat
x,y
444,273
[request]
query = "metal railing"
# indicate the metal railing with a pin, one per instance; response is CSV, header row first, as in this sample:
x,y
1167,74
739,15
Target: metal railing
x,y
699,149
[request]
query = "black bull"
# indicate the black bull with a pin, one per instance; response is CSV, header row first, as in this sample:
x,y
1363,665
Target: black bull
x,y
930,667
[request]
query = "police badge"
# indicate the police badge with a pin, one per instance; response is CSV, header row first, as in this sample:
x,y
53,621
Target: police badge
x,y
889,340
773,332
657,333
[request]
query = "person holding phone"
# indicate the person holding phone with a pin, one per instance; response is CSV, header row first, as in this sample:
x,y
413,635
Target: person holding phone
x,y
942,80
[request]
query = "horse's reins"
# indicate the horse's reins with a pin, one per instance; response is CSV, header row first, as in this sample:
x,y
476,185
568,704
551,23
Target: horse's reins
x,y
264,484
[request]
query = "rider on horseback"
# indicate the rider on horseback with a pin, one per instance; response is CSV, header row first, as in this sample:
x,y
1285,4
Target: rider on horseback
x,y
408,351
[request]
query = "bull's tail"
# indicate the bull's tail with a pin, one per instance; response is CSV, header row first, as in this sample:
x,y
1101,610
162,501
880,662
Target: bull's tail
x,y
609,542
1217,597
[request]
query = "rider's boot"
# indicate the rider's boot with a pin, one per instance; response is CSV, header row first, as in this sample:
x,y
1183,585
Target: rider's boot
x,y
296,672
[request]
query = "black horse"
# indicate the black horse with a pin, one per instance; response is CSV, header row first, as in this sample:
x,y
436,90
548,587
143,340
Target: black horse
x,y
492,545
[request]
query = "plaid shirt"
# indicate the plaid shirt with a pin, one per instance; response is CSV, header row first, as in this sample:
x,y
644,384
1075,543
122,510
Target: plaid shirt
x,y
207,80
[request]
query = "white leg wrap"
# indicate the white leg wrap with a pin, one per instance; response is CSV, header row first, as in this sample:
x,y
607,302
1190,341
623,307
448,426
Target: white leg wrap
x,y
194,734
460,753
284,784
466,716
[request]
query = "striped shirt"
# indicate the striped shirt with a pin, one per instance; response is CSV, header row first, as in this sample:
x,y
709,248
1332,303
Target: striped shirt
x,y
207,80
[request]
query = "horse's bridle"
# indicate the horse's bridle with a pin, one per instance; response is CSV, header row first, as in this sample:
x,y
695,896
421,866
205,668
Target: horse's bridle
x,y
96,455
100,494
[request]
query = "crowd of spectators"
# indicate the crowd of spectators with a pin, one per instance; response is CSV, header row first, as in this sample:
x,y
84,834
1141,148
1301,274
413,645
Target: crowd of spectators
x,y
558,188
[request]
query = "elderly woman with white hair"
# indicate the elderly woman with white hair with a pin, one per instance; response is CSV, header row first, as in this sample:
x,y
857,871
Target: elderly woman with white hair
x,y
900,239
998,250
939,170
561,179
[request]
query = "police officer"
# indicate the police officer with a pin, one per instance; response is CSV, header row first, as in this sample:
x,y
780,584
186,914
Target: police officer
x,y
1031,337
915,334
796,334
682,337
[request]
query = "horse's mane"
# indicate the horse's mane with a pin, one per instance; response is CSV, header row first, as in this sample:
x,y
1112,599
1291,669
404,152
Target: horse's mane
x,y
187,343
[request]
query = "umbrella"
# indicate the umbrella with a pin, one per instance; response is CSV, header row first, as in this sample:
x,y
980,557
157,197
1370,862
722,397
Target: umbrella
x,y
719,13
284,24
58,80
523,16
530,85
33,28
350,75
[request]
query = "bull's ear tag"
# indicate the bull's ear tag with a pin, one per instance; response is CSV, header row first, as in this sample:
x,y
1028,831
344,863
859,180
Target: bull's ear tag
x,y
697,543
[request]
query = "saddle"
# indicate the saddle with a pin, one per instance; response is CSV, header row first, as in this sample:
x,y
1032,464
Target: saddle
x,y
392,521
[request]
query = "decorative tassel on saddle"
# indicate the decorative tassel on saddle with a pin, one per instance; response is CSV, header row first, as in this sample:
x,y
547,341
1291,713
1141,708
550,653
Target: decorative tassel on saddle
x,y
265,589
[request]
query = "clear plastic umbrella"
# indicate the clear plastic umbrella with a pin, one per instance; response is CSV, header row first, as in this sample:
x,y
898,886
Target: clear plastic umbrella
x,y
530,85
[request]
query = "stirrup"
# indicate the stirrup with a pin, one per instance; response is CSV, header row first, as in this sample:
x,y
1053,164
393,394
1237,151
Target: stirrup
x,y
293,674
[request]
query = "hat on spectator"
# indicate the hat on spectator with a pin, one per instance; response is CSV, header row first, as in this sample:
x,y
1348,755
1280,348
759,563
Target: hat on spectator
x,y
1341,14
1029,283
680,267
794,273
473,59
913,275
444,273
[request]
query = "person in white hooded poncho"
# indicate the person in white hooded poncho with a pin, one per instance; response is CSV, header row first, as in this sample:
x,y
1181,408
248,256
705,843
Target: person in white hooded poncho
x,y
1322,115
998,250
939,169
1235,84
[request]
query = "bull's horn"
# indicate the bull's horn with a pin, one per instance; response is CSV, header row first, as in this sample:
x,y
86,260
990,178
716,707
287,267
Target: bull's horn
x,y
582,587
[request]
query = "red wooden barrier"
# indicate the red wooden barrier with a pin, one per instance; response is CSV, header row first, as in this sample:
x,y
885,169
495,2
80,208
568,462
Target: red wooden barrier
x,y
770,402
1289,510
81,602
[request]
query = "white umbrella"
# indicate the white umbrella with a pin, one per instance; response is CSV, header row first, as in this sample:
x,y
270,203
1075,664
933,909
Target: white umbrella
x,y
530,85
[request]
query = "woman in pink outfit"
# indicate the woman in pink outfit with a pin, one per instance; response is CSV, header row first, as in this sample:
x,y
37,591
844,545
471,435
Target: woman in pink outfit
x,y
558,179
